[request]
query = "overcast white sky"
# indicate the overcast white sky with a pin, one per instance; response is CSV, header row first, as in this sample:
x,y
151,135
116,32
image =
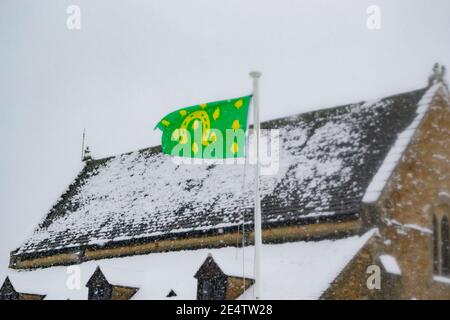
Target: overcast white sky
x,y
134,61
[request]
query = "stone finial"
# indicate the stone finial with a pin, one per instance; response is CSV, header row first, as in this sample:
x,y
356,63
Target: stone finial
x,y
87,154
438,75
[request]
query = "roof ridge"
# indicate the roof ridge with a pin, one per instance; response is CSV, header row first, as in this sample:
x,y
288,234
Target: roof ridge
x,y
397,150
267,122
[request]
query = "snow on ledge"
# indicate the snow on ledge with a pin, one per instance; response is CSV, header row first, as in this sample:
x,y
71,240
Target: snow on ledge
x,y
408,226
417,228
441,279
383,174
390,264
444,196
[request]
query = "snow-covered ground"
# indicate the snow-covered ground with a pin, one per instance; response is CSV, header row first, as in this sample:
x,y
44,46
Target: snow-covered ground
x,y
299,270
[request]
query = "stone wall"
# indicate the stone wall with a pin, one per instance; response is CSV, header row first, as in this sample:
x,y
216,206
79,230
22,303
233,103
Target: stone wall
x,y
404,214
407,204
351,283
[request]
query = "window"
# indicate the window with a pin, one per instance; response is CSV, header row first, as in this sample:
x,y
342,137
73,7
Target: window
x,y
435,246
219,289
441,246
445,249
212,289
206,290
100,292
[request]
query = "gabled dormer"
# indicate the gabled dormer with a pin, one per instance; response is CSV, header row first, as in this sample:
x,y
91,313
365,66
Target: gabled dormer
x,y
101,289
8,292
214,284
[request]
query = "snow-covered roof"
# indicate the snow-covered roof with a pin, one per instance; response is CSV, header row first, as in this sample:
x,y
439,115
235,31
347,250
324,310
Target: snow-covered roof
x,y
327,160
441,279
383,174
299,270
390,264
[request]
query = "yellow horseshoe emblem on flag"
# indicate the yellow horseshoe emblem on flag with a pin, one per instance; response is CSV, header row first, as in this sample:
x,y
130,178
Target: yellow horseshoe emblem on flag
x,y
196,117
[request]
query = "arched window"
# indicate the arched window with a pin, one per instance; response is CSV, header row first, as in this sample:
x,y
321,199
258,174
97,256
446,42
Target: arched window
x,y
435,246
445,249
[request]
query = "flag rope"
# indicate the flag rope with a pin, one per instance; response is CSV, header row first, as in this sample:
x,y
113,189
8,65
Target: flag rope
x,y
243,208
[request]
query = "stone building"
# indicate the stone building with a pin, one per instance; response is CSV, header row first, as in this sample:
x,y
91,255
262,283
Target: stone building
x,y
359,209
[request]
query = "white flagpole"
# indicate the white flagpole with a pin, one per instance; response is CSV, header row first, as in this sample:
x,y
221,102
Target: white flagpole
x,y
257,228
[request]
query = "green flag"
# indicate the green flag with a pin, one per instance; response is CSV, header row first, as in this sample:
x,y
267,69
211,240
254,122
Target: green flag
x,y
212,130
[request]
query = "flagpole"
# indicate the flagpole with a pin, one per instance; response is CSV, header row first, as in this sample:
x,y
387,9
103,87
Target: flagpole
x,y
257,227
